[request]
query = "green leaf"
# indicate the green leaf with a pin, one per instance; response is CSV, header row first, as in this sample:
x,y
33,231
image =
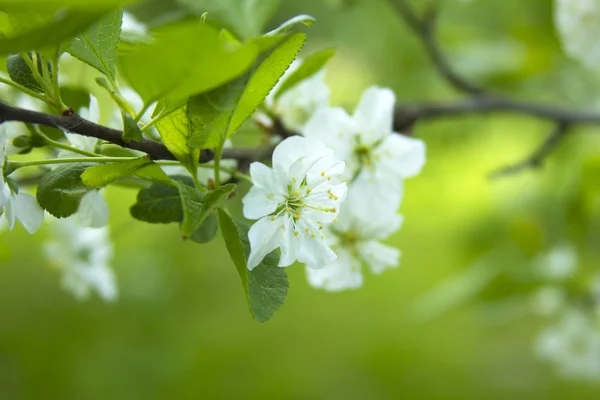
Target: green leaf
x,y
197,207
64,26
153,172
302,19
11,5
174,129
60,191
206,231
158,204
75,97
101,175
216,115
183,59
266,285
131,129
98,45
246,18
308,68
19,71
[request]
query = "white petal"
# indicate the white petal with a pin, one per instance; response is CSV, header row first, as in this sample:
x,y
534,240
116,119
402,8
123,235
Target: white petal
x,y
375,112
289,243
402,155
10,211
385,195
28,212
378,256
335,128
4,192
93,210
264,238
343,273
258,203
314,250
293,148
262,177
131,24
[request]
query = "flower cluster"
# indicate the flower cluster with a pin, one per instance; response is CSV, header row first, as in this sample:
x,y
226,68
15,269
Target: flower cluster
x,y
341,183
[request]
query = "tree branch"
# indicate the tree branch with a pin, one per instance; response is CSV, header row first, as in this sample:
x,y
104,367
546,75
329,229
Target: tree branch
x,y
71,122
537,157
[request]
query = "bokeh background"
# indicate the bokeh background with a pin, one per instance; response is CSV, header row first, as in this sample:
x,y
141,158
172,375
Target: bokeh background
x,y
454,321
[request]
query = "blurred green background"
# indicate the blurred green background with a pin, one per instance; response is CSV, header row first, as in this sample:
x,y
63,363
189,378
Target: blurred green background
x,y
181,328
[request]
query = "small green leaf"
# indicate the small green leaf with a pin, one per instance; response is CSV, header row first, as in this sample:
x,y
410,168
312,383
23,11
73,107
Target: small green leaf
x,y
174,129
97,46
206,231
158,204
183,59
131,129
101,175
197,207
246,18
19,71
302,19
266,285
216,115
75,97
64,26
154,172
60,191
308,68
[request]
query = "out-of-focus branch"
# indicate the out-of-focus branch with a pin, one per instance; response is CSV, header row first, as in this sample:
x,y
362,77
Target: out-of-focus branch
x,y
479,101
71,122
536,159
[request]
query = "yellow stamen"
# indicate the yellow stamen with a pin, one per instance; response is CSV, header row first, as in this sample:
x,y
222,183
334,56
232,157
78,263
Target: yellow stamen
x,y
322,173
306,230
295,233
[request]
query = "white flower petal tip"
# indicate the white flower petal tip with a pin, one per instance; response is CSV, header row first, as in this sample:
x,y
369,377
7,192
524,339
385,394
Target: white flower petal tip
x,y
293,202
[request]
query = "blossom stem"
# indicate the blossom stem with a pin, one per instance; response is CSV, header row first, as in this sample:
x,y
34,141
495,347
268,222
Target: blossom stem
x,y
72,149
101,159
23,89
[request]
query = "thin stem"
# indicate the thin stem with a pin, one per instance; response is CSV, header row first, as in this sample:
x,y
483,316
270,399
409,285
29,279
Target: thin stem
x,y
33,163
142,112
150,123
34,71
217,164
61,107
232,171
63,146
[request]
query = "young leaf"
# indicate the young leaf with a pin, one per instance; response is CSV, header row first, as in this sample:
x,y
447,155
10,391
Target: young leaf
x,y
101,175
302,19
216,115
266,285
55,31
153,172
246,18
131,130
308,68
19,71
98,45
158,204
182,60
60,190
174,129
197,207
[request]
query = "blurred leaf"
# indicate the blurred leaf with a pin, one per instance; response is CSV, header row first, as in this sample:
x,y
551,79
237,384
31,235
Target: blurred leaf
x,y
216,115
19,72
174,131
98,45
9,5
60,190
104,174
197,206
302,19
75,97
308,68
159,204
246,18
64,26
184,59
131,129
206,231
266,285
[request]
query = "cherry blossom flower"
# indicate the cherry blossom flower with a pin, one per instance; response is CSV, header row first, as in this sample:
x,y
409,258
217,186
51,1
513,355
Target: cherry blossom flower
x,y
293,201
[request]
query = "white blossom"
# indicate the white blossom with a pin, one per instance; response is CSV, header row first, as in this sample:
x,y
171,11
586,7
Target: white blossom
x,y
20,206
83,256
548,300
355,240
130,24
572,345
578,26
558,264
293,201
297,104
377,159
